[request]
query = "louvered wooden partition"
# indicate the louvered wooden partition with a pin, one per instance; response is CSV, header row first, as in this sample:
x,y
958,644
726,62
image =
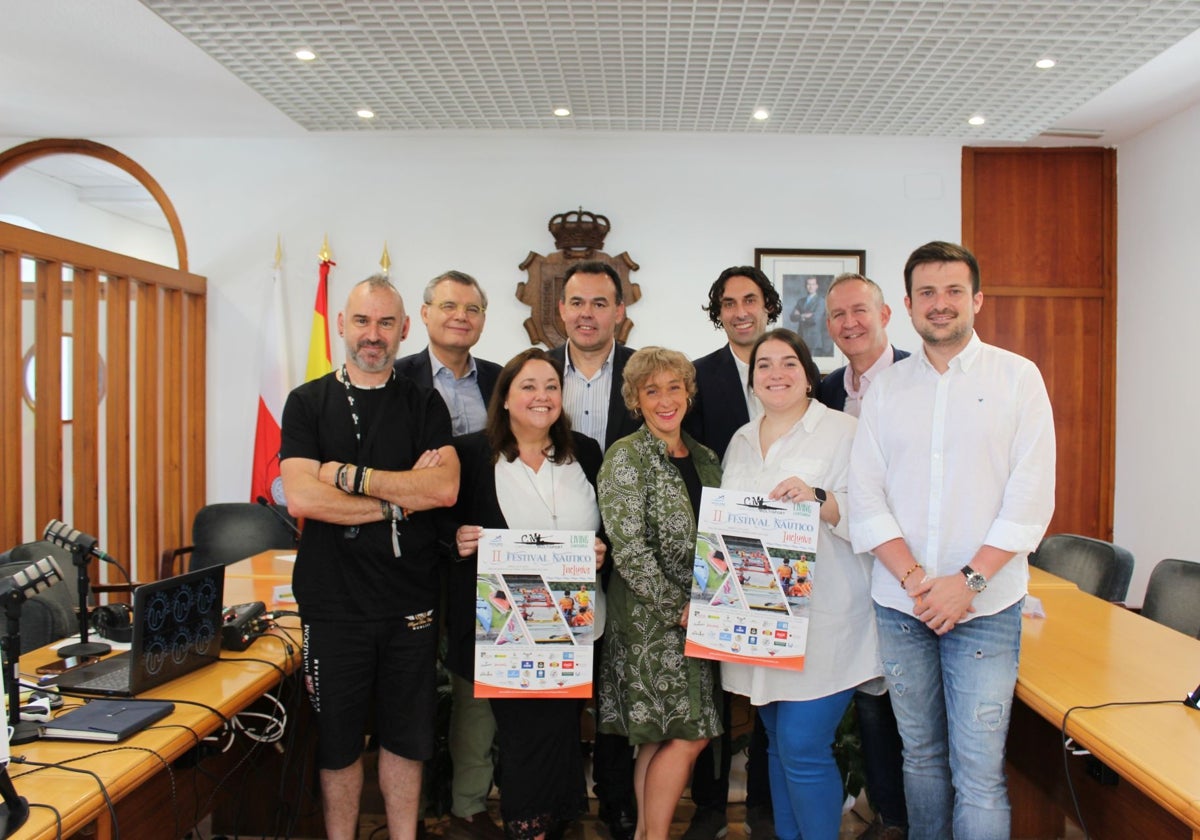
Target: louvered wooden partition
x,y
138,448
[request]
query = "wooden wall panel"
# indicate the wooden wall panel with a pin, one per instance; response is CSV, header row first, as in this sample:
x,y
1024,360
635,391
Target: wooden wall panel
x,y
85,431
1042,224
11,408
117,417
1042,219
47,432
137,449
1062,336
146,442
171,402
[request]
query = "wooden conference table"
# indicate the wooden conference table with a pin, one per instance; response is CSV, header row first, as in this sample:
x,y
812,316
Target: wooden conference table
x,y
1086,652
132,770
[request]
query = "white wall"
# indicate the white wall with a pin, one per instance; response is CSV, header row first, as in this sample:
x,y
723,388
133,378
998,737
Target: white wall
x,y
684,207
1158,401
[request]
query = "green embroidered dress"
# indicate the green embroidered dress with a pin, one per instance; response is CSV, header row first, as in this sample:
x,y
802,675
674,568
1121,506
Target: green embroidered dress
x,y
649,691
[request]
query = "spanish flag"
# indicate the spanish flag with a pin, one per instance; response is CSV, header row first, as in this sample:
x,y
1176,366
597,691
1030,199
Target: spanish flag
x,y
319,358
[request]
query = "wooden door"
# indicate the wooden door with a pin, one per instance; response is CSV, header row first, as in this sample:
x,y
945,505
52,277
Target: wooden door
x,y
1042,223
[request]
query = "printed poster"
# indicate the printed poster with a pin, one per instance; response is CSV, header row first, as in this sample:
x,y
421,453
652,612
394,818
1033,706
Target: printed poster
x,y
752,579
534,601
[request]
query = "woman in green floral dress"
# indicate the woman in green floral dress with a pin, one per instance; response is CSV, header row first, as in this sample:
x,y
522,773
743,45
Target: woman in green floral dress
x,y
664,702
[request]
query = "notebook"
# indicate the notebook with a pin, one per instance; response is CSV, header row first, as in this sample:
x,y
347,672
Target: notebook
x,y
176,629
107,720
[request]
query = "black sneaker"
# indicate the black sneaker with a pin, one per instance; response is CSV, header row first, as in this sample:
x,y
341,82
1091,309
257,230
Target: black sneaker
x,y
706,825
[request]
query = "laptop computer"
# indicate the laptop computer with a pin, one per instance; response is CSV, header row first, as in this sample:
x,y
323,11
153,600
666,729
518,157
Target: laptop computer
x,y
176,629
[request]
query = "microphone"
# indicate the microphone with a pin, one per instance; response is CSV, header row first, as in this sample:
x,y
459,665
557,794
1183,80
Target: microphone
x,y
1193,699
64,536
262,500
29,581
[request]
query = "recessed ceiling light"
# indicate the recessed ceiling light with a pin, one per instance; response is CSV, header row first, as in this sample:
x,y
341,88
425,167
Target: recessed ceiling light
x,y
305,55
366,113
762,114
976,120
562,112
1045,63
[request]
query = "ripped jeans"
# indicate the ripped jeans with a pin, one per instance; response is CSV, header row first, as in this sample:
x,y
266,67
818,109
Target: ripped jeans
x,y
953,696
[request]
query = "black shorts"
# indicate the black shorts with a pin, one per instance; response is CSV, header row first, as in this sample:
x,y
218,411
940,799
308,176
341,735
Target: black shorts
x,y
351,667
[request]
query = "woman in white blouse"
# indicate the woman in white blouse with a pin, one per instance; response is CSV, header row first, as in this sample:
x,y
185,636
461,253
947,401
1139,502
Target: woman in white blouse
x,y
798,450
526,470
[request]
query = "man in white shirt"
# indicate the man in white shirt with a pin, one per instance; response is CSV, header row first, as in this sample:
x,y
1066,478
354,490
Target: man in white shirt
x,y
857,319
951,486
592,306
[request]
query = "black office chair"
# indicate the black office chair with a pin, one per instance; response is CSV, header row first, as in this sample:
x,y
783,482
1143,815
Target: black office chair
x,y
1095,566
227,532
1173,596
49,615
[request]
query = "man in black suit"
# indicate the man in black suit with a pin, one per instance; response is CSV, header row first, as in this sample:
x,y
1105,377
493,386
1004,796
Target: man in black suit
x,y
454,311
743,302
591,307
857,319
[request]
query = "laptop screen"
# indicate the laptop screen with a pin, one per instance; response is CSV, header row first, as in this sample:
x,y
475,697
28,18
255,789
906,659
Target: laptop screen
x,y
177,626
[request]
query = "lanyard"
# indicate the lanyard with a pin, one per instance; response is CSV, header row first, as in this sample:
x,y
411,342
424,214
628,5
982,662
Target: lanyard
x,y
351,532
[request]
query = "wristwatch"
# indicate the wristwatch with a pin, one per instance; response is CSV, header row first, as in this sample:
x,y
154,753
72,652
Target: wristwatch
x,y
820,494
975,581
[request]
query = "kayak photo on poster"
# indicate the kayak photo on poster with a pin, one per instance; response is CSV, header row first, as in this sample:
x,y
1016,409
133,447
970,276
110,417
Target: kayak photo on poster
x,y
535,602
752,579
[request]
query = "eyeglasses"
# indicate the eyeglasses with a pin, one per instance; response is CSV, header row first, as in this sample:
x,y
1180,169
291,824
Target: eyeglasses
x,y
471,310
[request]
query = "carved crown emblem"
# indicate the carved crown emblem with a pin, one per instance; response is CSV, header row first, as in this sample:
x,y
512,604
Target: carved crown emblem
x,y
579,230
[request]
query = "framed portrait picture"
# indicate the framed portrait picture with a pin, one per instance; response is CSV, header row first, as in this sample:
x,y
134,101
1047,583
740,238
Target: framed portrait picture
x,y
802,277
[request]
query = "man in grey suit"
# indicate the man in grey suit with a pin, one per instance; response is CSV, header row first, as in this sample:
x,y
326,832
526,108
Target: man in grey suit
x,y
454,310
592,306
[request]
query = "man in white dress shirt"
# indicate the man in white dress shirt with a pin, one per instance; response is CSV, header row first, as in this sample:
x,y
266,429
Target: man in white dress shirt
x,y
951,486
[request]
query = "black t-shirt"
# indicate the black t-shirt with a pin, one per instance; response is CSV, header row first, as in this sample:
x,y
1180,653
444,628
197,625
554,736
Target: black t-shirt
x,y
361,579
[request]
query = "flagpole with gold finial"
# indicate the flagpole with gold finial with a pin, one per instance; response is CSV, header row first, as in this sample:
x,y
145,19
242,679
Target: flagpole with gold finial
x,y
319,357
385,262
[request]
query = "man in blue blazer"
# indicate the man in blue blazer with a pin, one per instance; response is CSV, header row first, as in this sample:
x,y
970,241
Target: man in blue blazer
x,y
454,310
743,302
857,319
592,306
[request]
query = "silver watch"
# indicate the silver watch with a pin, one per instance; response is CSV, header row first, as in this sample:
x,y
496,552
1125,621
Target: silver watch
x,y
975,581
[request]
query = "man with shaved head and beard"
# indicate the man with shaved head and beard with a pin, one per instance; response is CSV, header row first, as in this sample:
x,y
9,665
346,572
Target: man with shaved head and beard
x,y
366,456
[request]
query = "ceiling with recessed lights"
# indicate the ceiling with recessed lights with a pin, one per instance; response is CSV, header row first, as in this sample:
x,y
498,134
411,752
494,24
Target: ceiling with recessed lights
x,y
855,67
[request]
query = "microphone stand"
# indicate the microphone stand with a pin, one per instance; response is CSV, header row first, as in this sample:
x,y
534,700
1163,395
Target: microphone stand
x,y
83,647
23,731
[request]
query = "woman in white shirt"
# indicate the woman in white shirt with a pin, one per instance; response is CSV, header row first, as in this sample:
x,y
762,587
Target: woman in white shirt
x,y
526,470
798,450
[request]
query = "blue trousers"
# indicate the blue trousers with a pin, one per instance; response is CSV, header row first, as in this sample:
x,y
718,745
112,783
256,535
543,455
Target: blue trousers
x,y
952,696
806,787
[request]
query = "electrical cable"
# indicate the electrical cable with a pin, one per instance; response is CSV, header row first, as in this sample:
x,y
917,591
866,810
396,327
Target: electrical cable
x,y
1068,750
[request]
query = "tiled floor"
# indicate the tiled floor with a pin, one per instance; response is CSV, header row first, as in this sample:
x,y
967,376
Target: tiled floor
x,y
372,827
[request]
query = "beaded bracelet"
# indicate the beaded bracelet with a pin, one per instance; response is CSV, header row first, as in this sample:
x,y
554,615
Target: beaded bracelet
x,y
911,569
